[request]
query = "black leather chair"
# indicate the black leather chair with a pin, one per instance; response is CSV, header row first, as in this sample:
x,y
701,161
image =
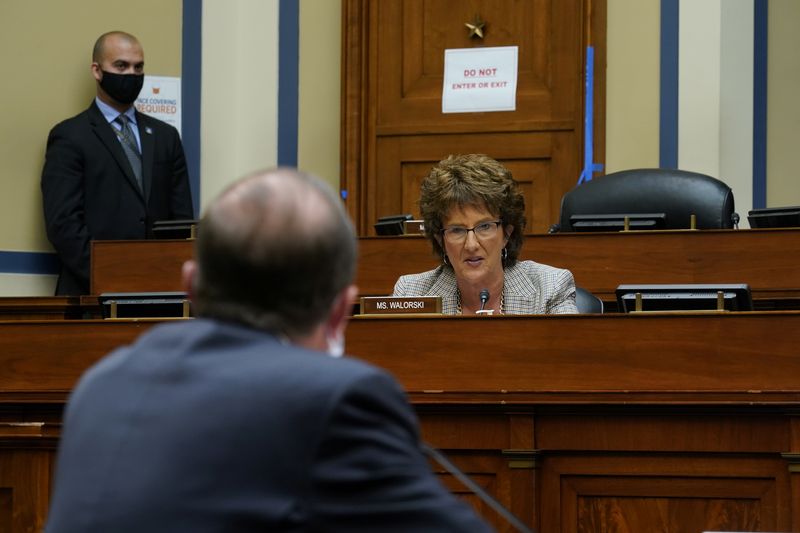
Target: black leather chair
x,y
586,302
676,193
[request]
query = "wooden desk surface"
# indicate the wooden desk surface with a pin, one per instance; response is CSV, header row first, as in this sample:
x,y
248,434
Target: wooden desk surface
x,y
42,308
706,358
654,358
138,266
766,259
587,420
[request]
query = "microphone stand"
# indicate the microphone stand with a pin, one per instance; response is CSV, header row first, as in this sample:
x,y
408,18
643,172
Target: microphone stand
x,y
437,456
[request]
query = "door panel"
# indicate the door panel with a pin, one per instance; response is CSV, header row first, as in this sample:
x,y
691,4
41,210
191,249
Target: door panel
x,y
393,127
415,33
532,157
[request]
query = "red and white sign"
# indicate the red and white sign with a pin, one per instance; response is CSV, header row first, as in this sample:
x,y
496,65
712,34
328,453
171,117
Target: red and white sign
x,y
480,79
161,98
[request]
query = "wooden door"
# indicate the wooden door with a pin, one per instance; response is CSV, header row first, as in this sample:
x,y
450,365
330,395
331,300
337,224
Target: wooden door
x,y
393,126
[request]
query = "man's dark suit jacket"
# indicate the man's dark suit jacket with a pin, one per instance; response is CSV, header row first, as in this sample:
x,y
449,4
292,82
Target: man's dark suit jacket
x,y
204,426
90,192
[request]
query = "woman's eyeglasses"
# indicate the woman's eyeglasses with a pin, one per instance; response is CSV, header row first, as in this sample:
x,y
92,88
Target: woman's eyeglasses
x,y
484,230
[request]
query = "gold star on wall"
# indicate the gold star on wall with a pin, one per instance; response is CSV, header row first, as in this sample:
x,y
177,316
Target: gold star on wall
x,y
476,27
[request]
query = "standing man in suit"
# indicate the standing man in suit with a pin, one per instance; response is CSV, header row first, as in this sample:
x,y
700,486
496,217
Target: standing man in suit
x,y
110,172
239,420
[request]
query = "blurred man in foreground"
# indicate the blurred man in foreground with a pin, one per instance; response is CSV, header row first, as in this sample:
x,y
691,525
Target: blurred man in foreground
x,y
238,420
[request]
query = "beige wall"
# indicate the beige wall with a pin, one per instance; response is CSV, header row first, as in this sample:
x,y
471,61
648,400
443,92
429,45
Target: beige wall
x,y
716,107
783,114
320,89
736,101
239,91
632,86
698,101
45,51
715,122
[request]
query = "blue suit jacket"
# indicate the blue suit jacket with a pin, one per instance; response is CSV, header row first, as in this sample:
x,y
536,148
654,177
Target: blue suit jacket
x,y
203,426
89,190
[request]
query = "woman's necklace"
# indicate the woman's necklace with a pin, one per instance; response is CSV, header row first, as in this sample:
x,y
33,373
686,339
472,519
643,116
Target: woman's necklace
x,y
502,302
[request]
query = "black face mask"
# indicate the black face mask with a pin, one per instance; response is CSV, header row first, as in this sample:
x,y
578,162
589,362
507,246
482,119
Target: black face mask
x,y
124,88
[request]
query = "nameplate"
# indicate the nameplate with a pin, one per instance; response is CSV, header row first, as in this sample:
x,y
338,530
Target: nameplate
x,y
393,305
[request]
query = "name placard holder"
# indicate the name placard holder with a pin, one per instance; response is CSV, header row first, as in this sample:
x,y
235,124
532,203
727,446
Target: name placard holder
x,y
414,227
638,306
400,305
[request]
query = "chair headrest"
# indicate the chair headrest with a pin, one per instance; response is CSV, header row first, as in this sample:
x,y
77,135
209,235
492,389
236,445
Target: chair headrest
x,y
676,193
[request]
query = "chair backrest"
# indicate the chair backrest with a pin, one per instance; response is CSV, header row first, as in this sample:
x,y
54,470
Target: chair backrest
x,y
587,302
676,193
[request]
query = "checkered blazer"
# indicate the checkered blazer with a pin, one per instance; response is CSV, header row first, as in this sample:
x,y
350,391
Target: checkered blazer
x,y
530,288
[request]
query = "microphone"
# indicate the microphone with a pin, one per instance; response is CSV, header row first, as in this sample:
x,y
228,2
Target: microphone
x,y
484,298
485,497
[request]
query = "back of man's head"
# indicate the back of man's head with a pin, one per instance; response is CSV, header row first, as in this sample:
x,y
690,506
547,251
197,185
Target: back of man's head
x,y
273,252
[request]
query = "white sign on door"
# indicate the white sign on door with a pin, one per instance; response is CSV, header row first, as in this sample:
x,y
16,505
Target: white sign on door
x,y
480,79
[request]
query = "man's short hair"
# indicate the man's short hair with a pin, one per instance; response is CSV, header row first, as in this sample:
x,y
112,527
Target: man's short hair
x,y
274,250
99,45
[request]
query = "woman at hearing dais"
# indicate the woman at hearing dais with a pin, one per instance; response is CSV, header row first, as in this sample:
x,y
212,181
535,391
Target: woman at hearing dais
x,y
474,216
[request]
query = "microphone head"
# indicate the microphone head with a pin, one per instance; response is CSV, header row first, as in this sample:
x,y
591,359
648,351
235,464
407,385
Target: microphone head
x,y
484,295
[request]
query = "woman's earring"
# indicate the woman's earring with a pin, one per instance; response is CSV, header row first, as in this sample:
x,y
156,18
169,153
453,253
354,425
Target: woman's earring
x,y
504,255
444,260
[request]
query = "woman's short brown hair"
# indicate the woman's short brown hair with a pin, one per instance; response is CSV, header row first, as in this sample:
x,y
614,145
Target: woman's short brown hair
x,y
478,181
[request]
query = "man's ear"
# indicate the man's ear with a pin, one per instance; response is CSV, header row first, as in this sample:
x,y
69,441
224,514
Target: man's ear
x,y
188,275
96,71
341,310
